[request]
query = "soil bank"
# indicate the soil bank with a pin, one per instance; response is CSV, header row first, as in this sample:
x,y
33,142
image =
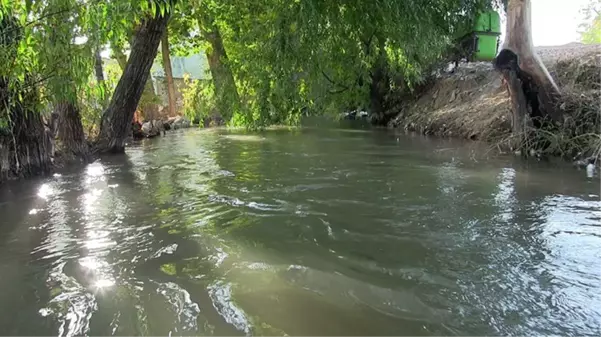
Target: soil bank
x,y
472,102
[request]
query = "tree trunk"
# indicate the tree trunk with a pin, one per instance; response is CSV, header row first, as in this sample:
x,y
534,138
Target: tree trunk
x,y
70,132
226,92
532,89
380,85
147,105
26,146
116,121
98,66
168,72
100,79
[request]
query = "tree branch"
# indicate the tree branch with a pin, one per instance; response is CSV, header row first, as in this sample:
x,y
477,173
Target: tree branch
x,y
331,81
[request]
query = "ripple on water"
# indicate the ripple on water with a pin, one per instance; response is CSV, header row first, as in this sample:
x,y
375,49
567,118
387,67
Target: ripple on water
x,y
221,296
198,233
71,305
186,311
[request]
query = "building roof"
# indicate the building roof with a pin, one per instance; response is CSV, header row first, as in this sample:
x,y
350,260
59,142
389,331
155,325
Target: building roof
x,y
196,66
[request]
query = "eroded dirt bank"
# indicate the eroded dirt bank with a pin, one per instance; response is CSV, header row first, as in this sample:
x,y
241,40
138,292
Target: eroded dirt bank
x,y
472,103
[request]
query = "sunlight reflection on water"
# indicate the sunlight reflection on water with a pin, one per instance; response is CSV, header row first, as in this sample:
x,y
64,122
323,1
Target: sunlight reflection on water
x,y
210,233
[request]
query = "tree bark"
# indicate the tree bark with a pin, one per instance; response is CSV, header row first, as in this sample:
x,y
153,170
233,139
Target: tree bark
x,y
100,80
70,132
98,67
116,121
26,145
540,90
380,85
226,92
519,104
148,102
168,72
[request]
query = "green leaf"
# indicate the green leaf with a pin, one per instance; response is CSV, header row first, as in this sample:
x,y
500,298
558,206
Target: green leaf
x,y
153,7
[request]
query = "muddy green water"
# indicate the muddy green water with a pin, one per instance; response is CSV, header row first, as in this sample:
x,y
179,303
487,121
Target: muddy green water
x,y
305,232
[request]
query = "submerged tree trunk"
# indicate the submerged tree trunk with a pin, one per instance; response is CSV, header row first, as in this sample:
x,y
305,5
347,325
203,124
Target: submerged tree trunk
x,y
168,72
116,121
533,92
226,92
70,132
26,146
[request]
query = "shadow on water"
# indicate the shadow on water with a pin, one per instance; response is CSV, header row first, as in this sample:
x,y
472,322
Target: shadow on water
x,y
305,232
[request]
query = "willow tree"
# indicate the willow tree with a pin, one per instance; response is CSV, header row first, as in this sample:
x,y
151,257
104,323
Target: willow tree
x,y
226,92
116,120
309,56
25,143
72,65
532,89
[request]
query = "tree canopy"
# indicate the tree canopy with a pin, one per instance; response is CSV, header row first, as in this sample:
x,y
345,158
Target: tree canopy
x,y
286,57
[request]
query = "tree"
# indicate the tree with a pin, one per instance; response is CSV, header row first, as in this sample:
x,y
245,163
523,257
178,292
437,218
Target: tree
x,y
308,56
116,121
168,72
591,29
224,84
147,104
72,66
533,92
70,131
25,143
99,73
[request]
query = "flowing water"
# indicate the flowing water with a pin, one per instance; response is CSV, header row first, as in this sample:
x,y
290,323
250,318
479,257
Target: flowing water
x,y
303,232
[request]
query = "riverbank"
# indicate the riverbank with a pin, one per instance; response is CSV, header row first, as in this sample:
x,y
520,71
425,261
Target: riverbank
x,y
472,103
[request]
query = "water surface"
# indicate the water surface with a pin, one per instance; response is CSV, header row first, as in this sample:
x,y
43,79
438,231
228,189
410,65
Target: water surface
x,y
304,232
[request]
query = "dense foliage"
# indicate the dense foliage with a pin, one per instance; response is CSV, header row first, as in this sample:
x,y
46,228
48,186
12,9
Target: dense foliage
x,y
300,57
286,58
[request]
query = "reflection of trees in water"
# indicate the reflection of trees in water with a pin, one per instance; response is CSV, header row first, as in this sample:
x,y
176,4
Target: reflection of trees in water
x,y
180,262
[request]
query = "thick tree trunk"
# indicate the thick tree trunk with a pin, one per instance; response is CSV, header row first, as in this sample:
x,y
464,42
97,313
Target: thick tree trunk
x,y
168,72
116,121
70,132
533,91
226,92
148,102
148,109
26,145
